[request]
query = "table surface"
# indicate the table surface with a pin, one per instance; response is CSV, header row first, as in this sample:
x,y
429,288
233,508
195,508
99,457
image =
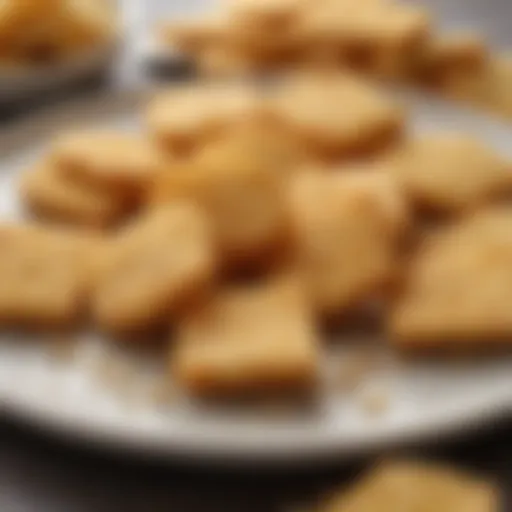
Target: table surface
x,y
38,474
41,474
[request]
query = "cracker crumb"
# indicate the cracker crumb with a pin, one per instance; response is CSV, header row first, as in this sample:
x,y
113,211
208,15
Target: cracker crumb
x,y
61,348
375,403
162,392
117,374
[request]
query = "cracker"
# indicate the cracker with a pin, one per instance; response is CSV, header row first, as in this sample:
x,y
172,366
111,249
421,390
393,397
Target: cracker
x,y
373,35
224,61
121,163
45,276
487,88
27,34
50,196
41,31
347,236
153,268
193,36
409,485
185,117
237,181
373,178
87,24
497,89
450,173
338,115
248,340
455,53
456,293
266,15
266,31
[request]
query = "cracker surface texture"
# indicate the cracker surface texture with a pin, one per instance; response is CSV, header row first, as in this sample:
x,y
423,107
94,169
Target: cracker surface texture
x,y
152,268
456,293
246,340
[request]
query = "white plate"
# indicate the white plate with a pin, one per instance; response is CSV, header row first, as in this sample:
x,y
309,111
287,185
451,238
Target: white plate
x,y
426,399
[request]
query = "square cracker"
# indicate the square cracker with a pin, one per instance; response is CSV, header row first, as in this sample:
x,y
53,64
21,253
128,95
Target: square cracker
x,y
56,198
411,485
121,163
238,180
259,338
347,229
152,268
337,114
456,293
450,173
45,276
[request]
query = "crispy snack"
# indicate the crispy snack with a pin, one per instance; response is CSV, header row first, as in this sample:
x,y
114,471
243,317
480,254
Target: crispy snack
x,y
153,268
337,115
45,276
88,24
185,117
246,340
120,163
266,15
410,485
486,88
449,173
373,178
237,181
347,228
224,61
455,54
376,36
53,197
455,295
193,36
42,31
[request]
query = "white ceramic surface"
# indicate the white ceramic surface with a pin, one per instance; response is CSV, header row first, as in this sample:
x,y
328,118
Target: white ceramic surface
x,y
425,398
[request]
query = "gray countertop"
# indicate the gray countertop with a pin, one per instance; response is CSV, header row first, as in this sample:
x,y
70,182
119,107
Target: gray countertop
x,y
40,474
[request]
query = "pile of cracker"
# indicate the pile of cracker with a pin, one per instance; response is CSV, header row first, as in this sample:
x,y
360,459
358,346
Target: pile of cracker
x,y
243,219
387,39
36,32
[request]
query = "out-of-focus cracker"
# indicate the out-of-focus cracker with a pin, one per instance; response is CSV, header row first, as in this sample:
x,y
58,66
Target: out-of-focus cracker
x,y
454,53
451,172
193,36
254,339
410,485
456,295
237,181
115,161
53,197
152,268
45,276
185,117
347,231
337,114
